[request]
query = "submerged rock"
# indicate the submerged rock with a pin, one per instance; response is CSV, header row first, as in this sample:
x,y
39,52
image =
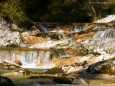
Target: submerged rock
x,y
4,81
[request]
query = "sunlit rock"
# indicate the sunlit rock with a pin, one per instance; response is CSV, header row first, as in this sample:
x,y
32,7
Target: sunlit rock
x,y
8,37
33,39
109,18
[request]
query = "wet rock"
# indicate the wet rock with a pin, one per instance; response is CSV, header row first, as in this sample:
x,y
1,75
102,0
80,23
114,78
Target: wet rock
x,y
55,70
4,81
63,80
17,62
103,67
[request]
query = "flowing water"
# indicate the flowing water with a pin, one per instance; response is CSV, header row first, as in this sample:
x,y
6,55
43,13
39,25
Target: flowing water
x,y
32,58
109,33
28,58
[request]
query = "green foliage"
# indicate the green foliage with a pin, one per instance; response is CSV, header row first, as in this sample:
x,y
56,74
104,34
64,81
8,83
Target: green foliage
x,y
69,11
12,11
22,11
103,9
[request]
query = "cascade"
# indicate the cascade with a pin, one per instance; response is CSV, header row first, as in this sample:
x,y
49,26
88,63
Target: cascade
x,y
45,29
28,58
108,33
78,28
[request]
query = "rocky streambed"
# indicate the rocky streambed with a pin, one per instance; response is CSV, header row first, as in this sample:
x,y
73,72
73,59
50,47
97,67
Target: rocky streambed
x,y
61,79
57,54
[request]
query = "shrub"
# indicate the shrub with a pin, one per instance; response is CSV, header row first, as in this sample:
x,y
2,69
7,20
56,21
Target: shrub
x,y
12,11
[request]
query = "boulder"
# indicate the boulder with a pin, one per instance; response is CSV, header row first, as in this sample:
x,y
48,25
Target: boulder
x,y
4,81
8,37
17,62
103,67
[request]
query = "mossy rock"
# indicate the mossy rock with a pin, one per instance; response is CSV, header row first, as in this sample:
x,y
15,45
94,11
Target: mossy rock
x,y
26,72
55,70
4,81
63,80
102,67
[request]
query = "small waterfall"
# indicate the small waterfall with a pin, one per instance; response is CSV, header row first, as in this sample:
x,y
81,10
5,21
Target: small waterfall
x,y
46,56
79,28
108,33
45,29
64,55
28,58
